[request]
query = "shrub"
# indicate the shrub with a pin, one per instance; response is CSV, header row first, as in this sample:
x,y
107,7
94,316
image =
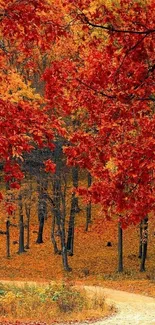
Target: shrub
x,y
48,303
22,301
68,299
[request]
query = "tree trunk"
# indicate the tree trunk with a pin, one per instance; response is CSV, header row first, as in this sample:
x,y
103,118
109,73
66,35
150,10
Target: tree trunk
x,y
65,259
27,209
56,250
64,247
88,208
28,234
120,248
42,210
8,238
56,210
140,239
62,226
59,198
59,217
21,226
144,244
70,239
75,180
41,223
53,240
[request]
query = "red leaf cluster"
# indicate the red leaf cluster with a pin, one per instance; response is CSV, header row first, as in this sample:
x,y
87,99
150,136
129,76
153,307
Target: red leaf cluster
x,y
50,167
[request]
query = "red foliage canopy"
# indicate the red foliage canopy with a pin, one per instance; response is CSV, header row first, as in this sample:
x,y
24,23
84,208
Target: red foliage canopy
x,y
111,80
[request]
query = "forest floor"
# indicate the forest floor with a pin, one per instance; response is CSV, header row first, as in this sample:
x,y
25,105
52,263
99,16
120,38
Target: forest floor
x,y
93,262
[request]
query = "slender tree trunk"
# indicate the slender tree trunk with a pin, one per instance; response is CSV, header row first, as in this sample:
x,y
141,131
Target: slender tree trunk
x,y
70,239
21,226
28,207
59,198
56,209
120,248
144,244
45,201
88,208
62,227
8,238
64,247
56,250
28,227
28,233
60,220
7,229
41,226
42,210
140,239
75,180
53,240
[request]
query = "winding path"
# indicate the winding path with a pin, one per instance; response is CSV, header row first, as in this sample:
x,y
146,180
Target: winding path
x,y
132,309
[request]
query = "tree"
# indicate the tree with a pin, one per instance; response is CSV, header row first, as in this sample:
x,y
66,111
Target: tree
x,y
111,78
118,98
27,27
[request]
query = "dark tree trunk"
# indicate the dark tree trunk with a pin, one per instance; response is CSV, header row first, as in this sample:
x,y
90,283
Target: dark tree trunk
x,y
42,210
59,198
120,248
28,234
8,238
75,180
28,226
61,213
60,221
64,247
56,198
88,208
53,228
70,239
144,244
21,226
56,250
41,226
28,207
56,210
45,201
75,176
140,239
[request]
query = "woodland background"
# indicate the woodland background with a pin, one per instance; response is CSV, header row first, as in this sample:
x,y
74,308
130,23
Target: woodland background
x,y
77,141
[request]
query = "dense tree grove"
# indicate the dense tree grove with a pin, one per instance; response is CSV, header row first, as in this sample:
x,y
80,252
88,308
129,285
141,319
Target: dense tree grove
x,y
77,94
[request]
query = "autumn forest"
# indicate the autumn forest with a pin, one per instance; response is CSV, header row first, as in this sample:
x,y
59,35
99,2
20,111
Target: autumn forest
x,y
77,145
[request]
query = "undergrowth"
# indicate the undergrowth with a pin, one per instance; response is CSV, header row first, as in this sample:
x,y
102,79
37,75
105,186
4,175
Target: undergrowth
x,y
49,303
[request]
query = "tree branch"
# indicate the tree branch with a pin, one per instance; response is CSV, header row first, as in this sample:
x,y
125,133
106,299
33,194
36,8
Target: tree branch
x,y
129,97
111,28
95,91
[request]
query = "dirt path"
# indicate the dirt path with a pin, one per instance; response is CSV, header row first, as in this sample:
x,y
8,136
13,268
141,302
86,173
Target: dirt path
x,y
132,309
